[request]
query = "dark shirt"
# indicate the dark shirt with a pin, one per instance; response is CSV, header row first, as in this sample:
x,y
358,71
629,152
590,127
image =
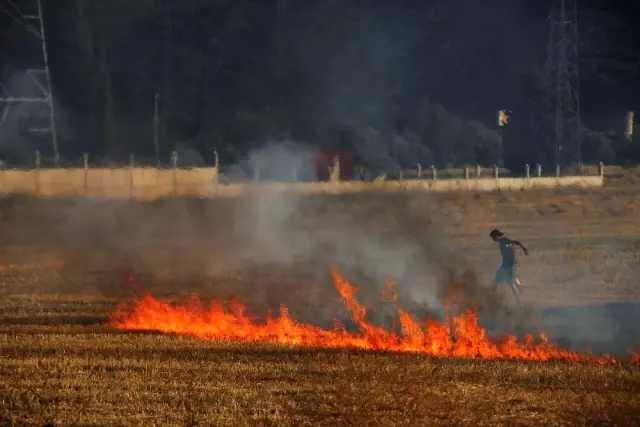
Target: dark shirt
x,y
508,252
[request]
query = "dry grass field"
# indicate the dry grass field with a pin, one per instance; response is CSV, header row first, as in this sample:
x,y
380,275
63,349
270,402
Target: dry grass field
x,y
64,264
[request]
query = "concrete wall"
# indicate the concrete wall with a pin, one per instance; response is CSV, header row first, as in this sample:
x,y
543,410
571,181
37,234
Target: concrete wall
x,y
151,183
139,183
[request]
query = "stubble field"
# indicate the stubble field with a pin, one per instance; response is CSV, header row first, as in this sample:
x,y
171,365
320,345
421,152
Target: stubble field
x,y
65,264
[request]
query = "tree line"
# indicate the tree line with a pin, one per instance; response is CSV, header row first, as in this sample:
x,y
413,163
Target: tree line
x,y
400,82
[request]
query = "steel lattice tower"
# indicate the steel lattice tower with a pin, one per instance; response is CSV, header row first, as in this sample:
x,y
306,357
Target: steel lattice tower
x,y
563,84
29,16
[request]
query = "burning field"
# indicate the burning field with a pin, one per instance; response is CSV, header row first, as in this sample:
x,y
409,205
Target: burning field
x,y
462,336
333,311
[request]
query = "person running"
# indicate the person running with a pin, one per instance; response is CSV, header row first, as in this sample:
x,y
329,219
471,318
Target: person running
x,y
506,274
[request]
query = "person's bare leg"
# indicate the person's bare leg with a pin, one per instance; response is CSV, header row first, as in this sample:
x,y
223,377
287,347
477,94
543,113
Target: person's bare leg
x,y
516,291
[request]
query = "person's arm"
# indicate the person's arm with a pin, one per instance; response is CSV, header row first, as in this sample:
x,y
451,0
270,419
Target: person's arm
x,y
518,243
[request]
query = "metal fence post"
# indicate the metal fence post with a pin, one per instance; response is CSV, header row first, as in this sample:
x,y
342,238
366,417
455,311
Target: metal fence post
x,y
174,161
38,162
334,172
216,168
85,158
132,165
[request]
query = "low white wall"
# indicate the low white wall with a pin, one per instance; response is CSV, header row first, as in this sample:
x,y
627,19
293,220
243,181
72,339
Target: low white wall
x,y
151,183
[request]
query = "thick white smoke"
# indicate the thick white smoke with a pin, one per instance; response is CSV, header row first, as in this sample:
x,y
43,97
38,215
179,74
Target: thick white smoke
x,y
285,227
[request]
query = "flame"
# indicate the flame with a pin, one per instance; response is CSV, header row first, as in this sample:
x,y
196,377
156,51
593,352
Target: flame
x,y
389,292
462,336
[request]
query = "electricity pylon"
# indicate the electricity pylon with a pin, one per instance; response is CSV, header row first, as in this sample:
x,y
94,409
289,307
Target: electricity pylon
x,y
563,84
32,21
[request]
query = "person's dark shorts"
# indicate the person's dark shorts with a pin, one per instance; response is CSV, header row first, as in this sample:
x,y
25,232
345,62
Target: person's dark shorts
x,y
506,274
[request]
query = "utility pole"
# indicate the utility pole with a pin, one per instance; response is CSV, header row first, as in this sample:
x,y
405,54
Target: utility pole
x,y
156,124
34,24
563,84
281,12
628,129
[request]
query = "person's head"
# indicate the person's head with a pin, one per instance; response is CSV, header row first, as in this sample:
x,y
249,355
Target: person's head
x,y
496,235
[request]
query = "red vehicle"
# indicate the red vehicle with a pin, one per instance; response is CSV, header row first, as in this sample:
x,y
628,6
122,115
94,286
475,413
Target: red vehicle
x,y
323,158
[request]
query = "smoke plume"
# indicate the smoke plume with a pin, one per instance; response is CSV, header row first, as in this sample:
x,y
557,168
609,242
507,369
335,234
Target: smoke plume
x,y
268,247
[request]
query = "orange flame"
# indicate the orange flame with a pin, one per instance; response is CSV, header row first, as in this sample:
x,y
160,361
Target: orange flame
x,y
463,338
388,292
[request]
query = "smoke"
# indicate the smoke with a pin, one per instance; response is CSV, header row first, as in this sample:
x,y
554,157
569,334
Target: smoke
x,y
21,123
15,118
372,238
269,247
585,312
274,246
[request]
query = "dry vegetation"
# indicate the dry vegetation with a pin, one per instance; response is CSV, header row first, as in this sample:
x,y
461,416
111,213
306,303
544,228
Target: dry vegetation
x,y
64,264
74,375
